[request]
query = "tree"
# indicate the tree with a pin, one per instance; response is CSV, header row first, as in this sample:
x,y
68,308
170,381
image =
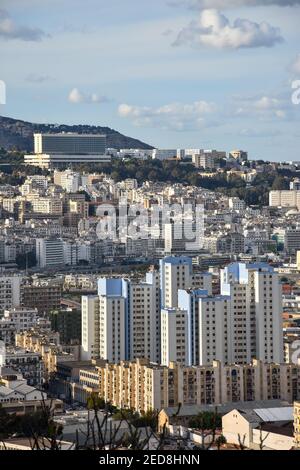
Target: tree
x,y
8,423
206,423
280,183
220,441
206,420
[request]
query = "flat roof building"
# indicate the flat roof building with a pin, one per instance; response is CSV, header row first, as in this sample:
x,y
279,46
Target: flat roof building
x,y
70,144
54,150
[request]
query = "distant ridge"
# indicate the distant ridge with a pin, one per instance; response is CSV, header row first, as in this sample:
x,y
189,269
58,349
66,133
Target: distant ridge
x,y
15,133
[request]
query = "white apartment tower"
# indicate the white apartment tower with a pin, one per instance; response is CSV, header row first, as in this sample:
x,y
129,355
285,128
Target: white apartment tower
x,y
104,321
144,318
90,327
207,326
174,336
241,324
254,325
123,321
212,330
176,273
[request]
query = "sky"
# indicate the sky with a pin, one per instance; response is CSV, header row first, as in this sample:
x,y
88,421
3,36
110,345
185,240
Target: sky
x,y
173,73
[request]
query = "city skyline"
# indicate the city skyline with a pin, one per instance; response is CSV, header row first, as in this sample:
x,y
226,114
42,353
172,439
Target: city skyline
x,y
149,228
162,73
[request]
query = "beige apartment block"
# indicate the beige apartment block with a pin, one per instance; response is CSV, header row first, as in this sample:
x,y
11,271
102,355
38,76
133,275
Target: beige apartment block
x,y
142,385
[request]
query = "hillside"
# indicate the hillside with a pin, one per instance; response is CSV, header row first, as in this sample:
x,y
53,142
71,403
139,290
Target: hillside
x,y
18,134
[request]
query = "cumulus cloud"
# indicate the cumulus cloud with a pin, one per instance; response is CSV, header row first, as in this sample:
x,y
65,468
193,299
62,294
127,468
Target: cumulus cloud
x,y
174,116
77,97
223,4
214,29
265,107
10,30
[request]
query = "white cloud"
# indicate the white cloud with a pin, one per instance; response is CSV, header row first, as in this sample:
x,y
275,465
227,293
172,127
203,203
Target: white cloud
x,y
10,30
214,29
259,133
173,116
224,4
264,107
77,97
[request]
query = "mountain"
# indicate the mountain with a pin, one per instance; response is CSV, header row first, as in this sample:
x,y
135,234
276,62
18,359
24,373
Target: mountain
x,y
15,133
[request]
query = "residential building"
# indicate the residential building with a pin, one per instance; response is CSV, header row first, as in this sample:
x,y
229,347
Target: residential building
x,y
292,240
67,323
163,154
239,155
49,252
16,320
297,424
45,295
284,198
14,388
27,363
255,317
260,428
123,320
207,159
175,273
174,336
142,385
10,289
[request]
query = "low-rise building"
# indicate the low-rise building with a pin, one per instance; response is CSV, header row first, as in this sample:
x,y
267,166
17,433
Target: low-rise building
x,y
142,385
45,296
15,321
48,345
260,428
27,363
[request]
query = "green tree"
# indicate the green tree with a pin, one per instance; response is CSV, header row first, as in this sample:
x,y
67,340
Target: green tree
x,y
280,183
206,420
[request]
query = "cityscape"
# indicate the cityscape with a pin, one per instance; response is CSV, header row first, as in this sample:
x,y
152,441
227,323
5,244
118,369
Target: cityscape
x,y
149,292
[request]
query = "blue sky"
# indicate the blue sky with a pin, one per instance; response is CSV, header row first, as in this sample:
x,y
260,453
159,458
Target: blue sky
x,y
177,73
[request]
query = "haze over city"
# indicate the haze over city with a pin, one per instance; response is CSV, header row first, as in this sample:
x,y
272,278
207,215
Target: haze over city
x,y
171,73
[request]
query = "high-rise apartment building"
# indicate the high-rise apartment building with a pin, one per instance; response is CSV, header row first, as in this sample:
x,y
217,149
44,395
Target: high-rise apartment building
x,y
123,320
174,336
254,323
144,318
193,327
176,273
241,324
207,326
105,321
